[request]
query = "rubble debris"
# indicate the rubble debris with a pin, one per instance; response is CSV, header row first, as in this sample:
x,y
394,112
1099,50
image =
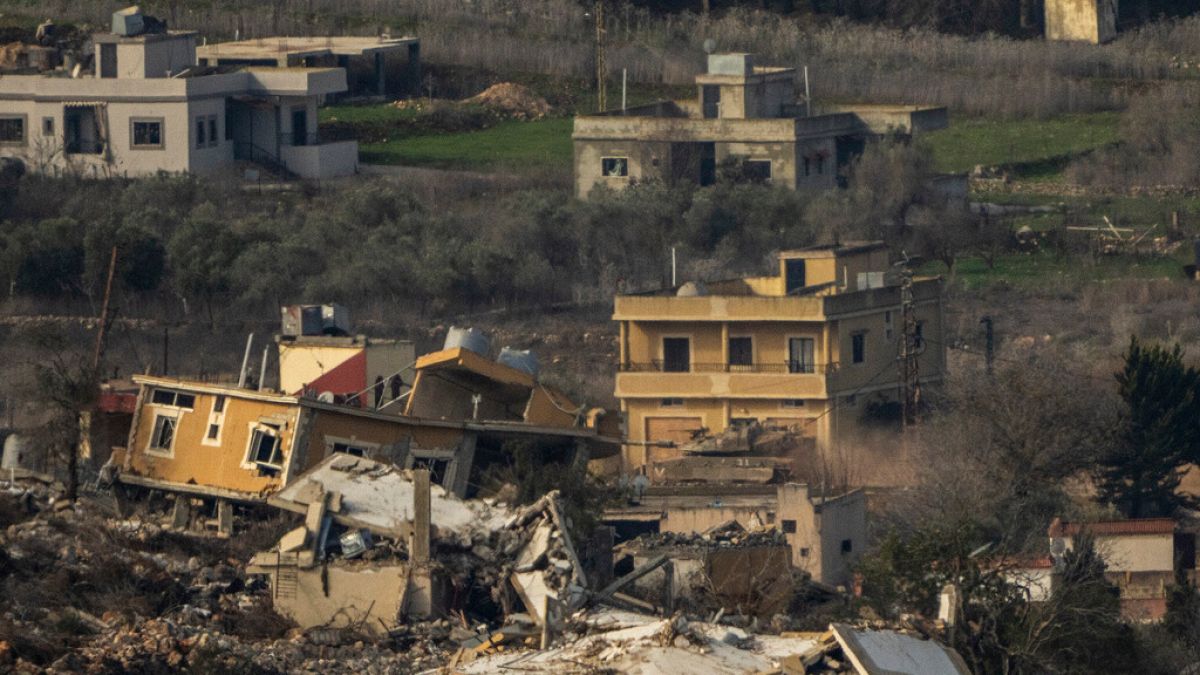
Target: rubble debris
x,y
515,100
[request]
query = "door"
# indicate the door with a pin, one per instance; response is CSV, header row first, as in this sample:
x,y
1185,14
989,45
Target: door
x,y
108,60
299,126
708,163
794,274
677,430
712,101
800,355
677,355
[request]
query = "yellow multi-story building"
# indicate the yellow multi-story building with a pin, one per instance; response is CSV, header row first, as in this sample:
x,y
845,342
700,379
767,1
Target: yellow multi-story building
x,y
813,348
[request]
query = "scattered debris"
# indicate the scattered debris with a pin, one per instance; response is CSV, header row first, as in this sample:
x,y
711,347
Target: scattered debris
x,y
515,100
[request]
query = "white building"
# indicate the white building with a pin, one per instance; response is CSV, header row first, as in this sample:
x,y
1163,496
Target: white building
x,y
148,108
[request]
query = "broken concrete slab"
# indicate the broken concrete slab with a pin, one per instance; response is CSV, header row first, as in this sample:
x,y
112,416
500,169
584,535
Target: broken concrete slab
x,y
379,498
293,540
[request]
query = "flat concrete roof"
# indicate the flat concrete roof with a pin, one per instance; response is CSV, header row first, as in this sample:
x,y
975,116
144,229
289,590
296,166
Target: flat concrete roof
x,y
143,37
275,47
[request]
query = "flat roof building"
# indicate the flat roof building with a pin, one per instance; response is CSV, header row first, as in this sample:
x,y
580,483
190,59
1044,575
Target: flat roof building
x,y
812,349
368,61
744,124
148,108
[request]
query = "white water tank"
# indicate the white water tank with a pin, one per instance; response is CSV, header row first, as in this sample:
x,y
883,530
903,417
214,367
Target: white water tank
x,y
519,359
470,339
14,451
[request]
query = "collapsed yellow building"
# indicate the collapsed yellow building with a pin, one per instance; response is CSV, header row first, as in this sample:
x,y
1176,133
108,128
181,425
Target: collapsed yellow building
x,y
812,348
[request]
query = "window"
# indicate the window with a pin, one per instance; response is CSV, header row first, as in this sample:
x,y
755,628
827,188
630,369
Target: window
x,y
212,433
794,274
741,351
437,468
213,138
919,338
800,355
219,404
677,355
162,437
176,399
671,403
206,132
803,552
264,447
887,325
858,344
47,126
615,167
12,130
793,403
847,546
146,133
757,171
348,449
789,526
201,135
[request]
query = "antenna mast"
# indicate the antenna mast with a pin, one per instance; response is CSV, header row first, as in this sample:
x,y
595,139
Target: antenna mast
x,y
601,66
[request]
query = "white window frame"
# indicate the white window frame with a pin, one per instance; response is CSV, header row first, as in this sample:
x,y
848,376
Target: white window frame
x,y
249,462
216,417
369,449
172,414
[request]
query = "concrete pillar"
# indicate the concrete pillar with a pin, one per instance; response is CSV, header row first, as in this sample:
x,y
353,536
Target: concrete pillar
x,y
419,553
181,515
224,517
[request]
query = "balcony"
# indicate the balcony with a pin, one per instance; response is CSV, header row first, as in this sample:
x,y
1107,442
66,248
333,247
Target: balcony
x,y
722,380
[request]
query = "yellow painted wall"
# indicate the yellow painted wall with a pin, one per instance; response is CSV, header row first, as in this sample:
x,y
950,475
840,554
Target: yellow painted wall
x,y
215,466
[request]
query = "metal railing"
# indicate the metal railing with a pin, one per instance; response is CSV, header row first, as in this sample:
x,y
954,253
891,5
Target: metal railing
x,y
246,151
775,367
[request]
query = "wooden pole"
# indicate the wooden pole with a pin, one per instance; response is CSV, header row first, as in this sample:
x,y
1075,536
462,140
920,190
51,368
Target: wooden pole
x,y
112,266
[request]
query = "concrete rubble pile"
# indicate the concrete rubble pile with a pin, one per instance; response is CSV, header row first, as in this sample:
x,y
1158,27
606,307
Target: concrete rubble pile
x,y
725,535
381,546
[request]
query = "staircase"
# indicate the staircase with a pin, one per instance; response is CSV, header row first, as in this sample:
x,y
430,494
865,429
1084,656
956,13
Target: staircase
x,y
246,151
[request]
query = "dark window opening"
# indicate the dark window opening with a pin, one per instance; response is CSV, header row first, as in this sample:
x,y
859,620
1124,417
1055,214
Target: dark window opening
x,y
789,527
711,101
793,403
348,449
858,343
847,546
12,129
219,404
757,171
201,133
264,447
677,355
741,351
212,130
671,403
163,433
108,60
173,398
214,430
804,553
614,167
437,468
47,126
147,134
800,355
794,275
82,131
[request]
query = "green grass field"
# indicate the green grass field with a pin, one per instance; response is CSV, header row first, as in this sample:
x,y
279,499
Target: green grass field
x,y
1042,268
510,145
1039,149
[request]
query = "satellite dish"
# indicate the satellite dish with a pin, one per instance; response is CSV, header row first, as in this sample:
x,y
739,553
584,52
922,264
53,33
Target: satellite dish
x,y
325,397
710,46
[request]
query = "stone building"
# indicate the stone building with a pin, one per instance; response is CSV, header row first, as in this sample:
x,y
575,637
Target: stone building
x,y
1093,21
744,124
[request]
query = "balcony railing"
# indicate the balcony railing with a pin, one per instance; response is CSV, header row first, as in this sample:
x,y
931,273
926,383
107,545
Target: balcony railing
x,y
777,368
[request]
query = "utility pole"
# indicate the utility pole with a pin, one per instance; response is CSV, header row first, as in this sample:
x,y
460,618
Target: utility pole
x,y
908,348
989,336
103,326
601,66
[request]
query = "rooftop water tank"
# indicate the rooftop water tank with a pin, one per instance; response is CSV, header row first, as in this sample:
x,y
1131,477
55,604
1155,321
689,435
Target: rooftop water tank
x,y
519,359
470,339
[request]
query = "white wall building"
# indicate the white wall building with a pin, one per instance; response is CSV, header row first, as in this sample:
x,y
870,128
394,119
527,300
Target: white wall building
x,y
148,108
